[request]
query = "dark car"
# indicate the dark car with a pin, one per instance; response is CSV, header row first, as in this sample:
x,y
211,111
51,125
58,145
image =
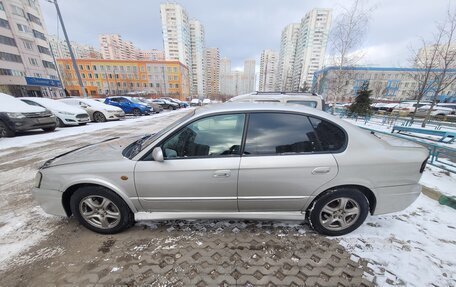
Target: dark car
x,y
180,103
17,116
167,105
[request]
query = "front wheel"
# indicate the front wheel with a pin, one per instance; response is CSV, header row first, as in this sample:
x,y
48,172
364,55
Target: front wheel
x,y
136,112
101,210
338,212
5,131
99,117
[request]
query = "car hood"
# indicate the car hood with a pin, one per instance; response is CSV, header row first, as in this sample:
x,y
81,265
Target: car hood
x,y
107,150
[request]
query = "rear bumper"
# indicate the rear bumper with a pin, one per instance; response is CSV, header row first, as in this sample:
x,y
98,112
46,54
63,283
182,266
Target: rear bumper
x,y
395,198
49,200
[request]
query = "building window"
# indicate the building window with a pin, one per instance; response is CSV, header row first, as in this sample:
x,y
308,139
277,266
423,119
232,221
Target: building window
x,y
67,66
39,35
90,76
33,62
23,28
9,72
94,68
48,65
7,41
176,78
4,23
81,67
96,75
17,11
44,50
88,67
1,6
83,75
34,19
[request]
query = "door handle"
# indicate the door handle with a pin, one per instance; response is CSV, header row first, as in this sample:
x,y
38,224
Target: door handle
x,y
321,170
222,173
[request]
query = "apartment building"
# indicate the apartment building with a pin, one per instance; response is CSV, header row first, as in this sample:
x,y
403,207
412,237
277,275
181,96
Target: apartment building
x,y
152,54
249,77
27,67
120,77
225,74
198,68
268,70
288,41
212,56
60,49
310,47
386,83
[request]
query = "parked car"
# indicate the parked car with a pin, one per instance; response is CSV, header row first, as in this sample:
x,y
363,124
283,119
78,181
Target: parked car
x,y
17,116
288,161
195,102
98,112
307,99
385,107
439,110
206,101
129,105
156,108
180,103
407,108
66,115
167,105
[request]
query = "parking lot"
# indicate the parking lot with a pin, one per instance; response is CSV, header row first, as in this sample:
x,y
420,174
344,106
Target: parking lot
x,y
40,250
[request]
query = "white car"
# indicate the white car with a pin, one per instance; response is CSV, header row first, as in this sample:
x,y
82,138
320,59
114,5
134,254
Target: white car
x,y
98,112
206,101
439,110
407,108
66,115
195,102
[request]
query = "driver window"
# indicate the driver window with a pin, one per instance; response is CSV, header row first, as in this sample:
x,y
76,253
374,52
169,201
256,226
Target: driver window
x,y
209,137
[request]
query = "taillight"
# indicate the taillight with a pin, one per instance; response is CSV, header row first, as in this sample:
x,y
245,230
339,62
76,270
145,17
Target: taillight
x,y
423,165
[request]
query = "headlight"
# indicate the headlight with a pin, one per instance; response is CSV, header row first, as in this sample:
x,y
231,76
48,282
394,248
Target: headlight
x,y
65,113
16,115
38,178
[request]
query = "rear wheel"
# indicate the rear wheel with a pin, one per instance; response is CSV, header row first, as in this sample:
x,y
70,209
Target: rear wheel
x,y
51,129
338,212
101,210
170,107
99,117
5,131
136,112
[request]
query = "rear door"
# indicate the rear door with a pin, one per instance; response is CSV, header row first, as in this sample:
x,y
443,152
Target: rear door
x,y
283,163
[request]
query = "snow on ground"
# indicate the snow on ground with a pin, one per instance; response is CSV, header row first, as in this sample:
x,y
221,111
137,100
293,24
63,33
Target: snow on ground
x,y
440,180
35,136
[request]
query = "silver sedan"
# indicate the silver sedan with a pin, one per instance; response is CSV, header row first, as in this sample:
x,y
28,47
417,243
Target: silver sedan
x,y
236,160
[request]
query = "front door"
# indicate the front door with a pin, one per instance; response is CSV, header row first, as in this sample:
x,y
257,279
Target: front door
x,y
283,163
200,168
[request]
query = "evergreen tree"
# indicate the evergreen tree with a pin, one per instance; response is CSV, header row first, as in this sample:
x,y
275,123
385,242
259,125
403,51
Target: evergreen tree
x,y
361,105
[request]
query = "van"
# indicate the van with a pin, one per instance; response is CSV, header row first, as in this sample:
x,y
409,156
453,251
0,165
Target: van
x,y
307,99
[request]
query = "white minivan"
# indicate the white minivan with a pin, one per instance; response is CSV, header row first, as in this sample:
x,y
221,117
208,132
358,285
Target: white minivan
x,y
66,115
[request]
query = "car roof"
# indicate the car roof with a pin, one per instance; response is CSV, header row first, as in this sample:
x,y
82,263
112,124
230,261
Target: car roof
x,y
249,106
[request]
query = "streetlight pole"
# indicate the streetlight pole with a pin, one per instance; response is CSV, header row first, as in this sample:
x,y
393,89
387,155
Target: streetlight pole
x,y
73,60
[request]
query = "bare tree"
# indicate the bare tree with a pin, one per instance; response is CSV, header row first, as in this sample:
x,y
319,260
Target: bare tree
x,y
345,38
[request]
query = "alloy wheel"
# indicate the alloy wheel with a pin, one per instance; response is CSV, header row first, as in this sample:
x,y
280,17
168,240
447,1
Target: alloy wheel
x,y
339,213
99,211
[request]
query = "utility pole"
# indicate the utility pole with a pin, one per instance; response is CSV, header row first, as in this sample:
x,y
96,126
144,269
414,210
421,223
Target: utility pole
x,y
73,60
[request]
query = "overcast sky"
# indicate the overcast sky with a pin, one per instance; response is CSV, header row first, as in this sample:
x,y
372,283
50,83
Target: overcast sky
x,y
241,29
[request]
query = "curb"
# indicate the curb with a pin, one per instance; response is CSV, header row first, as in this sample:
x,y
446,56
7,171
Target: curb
x,y
438,196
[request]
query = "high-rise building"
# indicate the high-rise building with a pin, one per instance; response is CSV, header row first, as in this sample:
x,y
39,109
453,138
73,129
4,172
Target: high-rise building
x,y
198,62
117,77
60,49
152,54
284,76
268,69
113,47
425,54
225,76
249,78
27,67
311,47
212,56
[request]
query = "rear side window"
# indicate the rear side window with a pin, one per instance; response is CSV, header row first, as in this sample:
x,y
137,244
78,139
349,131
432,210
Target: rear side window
x,y
311,104
276,133
332,138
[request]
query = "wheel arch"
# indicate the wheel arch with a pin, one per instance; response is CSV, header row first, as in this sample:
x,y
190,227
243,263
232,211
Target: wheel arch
x,y
69,191
368,193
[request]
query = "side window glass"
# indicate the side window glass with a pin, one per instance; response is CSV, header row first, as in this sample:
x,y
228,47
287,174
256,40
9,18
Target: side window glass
x,y
209,137
332,138
280,133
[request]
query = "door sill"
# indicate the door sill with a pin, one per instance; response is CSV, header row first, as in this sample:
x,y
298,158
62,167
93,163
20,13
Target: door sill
x,y
292,215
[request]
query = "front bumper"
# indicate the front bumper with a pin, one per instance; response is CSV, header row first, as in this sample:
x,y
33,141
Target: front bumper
x,y
396,198
115,116
74,120
25,124
49,200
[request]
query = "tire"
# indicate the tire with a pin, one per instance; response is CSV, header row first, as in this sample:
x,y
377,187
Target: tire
x,y
60,123
99,117
82,124
170,107
51,129
136,112
5,131
120,218
331,204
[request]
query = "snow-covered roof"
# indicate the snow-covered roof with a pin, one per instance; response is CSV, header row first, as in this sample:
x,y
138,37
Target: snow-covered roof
x,y
55,105
11,104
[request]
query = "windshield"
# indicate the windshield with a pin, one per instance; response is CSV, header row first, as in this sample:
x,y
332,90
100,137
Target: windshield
x,y
139,145
136,101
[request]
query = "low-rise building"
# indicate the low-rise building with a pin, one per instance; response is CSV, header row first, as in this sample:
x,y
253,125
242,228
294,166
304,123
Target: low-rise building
x,y
386,83
120,77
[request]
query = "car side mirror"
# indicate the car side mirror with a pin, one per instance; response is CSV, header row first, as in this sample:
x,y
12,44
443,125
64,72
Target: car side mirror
x,y
157,154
